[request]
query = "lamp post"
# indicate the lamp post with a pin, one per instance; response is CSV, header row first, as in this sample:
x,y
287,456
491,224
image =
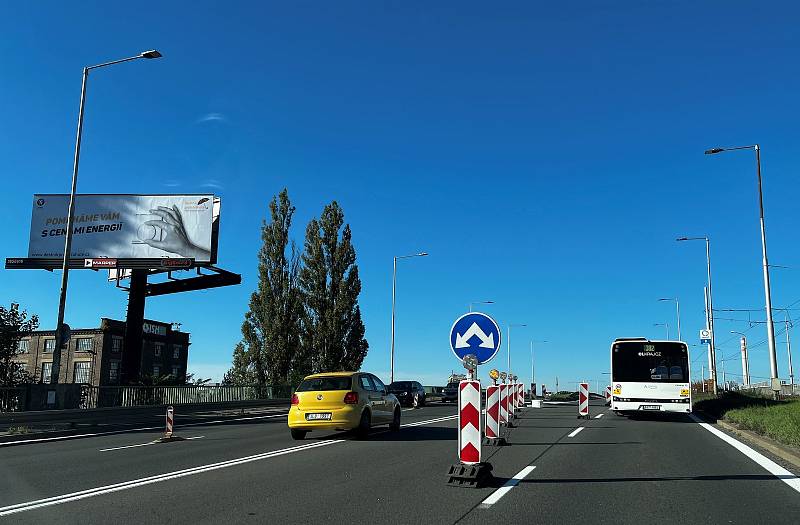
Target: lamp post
x,y
712,351
394,288
663,324
479,302
773,360
745,360
62,296
508,348
533,371
678,312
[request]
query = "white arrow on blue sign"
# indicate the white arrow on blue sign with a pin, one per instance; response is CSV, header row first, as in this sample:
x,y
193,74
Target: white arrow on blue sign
x,y
477,334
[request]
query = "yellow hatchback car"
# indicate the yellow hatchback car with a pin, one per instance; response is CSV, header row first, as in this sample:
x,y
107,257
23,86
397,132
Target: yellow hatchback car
x,y
342,401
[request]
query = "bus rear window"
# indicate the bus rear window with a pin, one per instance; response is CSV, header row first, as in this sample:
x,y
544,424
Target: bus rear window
x,y
647,362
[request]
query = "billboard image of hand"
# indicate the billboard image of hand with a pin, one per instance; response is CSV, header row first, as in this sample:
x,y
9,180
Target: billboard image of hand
x,y
169,234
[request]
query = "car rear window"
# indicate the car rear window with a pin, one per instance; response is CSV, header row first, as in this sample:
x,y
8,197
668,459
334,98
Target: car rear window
x,y
317,384
404,385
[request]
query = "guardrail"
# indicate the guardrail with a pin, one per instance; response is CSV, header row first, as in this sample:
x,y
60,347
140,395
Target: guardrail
x,y
33,397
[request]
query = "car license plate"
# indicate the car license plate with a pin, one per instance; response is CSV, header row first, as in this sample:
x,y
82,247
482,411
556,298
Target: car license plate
x,y
318,417
651,407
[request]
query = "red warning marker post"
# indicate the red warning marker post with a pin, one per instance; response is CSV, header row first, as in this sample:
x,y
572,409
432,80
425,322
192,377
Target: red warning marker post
x,y
583,400
492,420
608,394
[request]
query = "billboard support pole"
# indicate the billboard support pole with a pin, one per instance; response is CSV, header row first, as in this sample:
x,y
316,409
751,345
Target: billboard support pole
x,y
134,322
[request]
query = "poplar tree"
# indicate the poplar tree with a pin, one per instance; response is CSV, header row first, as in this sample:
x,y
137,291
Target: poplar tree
x,y
271,329
14,325
332,329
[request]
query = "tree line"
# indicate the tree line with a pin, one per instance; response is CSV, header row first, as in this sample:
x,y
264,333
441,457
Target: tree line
x,y
303,316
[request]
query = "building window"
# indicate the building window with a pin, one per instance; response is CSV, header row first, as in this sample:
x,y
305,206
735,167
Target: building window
x,y
157,349
175,371
176,351
49,345
113,372
82,370
156,371
22,346
85,344
47,369
116,344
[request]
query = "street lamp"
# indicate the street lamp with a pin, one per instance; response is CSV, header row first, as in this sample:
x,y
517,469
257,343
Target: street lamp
x,y
773,360
508,347
62,297
479,302
533,375
678,312
394,287
745,359
663,324
712,351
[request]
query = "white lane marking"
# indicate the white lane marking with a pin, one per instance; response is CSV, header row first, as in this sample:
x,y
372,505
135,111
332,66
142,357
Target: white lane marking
x,y
146,444
129,446
97,491
437,420
74,496
495,496
598,416
113,432
575,432
766,463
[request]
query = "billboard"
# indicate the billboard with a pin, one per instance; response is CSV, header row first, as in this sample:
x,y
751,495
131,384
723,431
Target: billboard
x,y
126,226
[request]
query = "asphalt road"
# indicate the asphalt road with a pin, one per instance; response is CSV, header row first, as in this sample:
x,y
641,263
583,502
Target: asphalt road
x,y
614,470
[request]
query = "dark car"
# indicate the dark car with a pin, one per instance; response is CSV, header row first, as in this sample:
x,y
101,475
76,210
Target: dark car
x,y
409,393
450,392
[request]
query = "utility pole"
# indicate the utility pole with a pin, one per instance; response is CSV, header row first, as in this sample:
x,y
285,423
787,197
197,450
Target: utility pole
x,y
788,324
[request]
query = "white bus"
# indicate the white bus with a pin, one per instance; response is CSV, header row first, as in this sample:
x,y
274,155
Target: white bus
x,y
650,376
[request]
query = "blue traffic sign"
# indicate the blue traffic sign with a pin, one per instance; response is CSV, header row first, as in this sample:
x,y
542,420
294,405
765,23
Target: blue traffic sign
x,y
477,334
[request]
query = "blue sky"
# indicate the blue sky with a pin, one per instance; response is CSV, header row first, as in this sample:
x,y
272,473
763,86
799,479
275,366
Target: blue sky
x,y
545,156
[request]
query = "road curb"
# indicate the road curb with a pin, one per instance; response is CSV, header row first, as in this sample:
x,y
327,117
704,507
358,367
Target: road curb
x,y
770,445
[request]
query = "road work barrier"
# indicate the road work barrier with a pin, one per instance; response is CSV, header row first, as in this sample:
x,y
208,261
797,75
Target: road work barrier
x,y
492,426
608,393
520,395
170,422
469,471
583,400
503,403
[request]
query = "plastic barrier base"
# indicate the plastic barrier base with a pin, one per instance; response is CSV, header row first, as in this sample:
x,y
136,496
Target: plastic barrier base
x,y
495,442
469,476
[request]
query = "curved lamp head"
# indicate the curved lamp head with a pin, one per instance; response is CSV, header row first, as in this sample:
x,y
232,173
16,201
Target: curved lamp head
x,y
151,54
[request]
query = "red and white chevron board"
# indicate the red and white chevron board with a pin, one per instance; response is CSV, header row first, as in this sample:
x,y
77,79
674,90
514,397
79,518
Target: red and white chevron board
x,y
492,412
516,397
469,422
511,401
583,400
520,395
503,402
608,393
170,420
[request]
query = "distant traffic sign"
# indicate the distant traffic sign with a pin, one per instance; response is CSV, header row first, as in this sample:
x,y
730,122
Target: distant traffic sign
x,y
477,334
705,337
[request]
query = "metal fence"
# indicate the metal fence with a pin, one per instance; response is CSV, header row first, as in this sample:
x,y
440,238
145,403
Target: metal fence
x,y
21,398
12,399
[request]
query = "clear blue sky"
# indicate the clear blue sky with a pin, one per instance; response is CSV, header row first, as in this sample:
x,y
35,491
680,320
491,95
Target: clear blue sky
x,y
545,156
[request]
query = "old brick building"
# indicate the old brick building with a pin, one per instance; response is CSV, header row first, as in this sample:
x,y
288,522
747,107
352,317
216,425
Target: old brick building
x,y
94,355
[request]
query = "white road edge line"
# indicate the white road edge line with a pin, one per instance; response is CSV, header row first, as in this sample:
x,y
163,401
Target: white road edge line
x,y
112,432
763,461
495,496
107,489
575,432
598,416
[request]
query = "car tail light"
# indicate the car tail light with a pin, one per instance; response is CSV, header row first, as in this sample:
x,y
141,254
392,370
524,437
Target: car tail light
x,y
351,398
295,399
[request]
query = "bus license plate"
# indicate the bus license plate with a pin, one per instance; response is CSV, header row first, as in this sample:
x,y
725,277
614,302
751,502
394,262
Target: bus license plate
x,y
318,417
651,407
